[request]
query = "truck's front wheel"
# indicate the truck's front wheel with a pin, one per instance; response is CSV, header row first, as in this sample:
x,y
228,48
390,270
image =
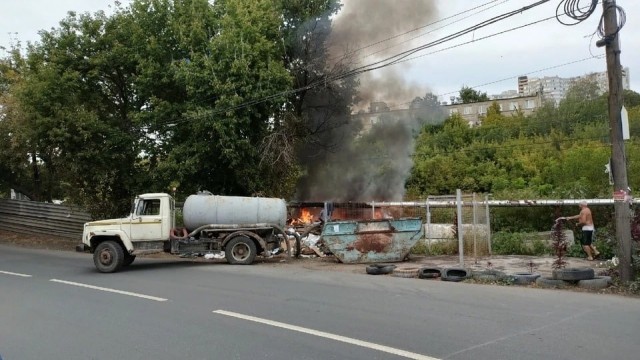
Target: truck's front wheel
x,y
240,250
108,257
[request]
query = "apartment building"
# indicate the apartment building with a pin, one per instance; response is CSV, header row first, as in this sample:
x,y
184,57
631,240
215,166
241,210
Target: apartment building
x,y
473,112
554,88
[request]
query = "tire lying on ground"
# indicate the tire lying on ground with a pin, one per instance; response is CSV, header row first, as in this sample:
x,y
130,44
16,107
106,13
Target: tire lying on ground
x,y
597,283
455,274
524,278
488,275
380,269
547,282
429,272
405,272
573,274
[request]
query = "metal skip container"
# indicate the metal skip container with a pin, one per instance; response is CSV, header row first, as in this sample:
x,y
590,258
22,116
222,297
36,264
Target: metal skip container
x,y
370,241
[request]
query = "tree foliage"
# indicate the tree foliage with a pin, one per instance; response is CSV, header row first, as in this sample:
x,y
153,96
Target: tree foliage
x,y
167,94
469,95
557,152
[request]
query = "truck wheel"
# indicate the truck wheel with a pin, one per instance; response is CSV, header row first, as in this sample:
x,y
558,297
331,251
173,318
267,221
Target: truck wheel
x,y
240,251
128,259
108,257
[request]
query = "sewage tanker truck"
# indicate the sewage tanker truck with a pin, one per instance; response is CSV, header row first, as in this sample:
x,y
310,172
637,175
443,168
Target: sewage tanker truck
x,y
233,227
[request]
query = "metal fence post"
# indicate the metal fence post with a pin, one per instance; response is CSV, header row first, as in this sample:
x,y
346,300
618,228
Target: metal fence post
x,y
428,232
460,230
486,202
475,230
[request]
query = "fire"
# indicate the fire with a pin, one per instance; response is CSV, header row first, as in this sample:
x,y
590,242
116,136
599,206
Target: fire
x,y
305,216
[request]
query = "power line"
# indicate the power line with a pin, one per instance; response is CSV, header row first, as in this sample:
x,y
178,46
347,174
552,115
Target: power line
x,y
439,28
498,81
424,26
376,65
574,11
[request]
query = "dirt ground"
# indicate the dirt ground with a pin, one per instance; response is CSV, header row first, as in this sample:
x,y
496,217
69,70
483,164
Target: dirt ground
x,y
508,264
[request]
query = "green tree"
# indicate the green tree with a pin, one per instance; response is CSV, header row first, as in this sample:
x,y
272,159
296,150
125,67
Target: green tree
x,y
469,95
216,146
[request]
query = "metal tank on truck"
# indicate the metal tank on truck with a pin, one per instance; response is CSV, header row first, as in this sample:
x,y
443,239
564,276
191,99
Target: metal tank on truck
x,y
205,208
232,227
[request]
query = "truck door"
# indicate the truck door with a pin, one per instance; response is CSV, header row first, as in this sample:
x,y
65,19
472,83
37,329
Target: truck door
x,y
146,223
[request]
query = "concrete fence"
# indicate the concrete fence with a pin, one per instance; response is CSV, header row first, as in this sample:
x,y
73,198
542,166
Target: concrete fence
x,y
41,218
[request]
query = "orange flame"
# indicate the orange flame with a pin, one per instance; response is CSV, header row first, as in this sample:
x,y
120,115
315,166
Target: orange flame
x,y
305,216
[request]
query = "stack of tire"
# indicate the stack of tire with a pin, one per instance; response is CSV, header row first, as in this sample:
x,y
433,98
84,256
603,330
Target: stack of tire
x,y
582,277
452,274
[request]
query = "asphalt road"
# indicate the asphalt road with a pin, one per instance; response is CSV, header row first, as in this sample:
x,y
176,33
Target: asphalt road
x,y
55,305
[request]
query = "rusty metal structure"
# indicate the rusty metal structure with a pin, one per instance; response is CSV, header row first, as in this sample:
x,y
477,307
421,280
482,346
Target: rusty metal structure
x,y
371,241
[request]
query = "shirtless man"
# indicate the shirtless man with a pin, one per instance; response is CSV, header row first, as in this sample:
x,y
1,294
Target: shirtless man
x,y
586,220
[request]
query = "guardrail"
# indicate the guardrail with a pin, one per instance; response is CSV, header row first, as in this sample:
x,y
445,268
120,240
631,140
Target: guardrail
x,y
42,218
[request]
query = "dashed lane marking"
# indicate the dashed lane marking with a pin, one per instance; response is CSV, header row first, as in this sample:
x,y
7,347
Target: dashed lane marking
x,y
148,297
14,274
344,339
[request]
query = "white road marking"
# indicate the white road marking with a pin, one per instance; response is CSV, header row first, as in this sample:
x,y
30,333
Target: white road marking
x,y
348,340
148,297
14,274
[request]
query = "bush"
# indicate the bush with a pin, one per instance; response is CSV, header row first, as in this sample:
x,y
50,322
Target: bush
x,y
539,248
437,248
505,243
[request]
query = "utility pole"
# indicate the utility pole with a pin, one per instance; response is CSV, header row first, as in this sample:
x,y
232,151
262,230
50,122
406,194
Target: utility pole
x,y
618,157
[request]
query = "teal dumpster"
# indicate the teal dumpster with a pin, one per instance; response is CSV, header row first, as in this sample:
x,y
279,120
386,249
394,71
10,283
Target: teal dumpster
x,y
372,241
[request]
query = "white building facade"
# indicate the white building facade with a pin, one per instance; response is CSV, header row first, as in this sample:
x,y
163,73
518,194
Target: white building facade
x,y
555,88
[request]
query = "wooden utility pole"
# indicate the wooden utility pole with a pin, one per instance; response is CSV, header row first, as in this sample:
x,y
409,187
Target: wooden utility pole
x,y
618,157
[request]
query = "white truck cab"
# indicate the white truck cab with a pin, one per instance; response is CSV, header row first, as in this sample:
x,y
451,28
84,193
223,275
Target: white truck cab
x,y
146,230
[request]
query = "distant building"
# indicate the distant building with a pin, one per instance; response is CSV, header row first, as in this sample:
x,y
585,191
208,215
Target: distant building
x,y
473,112
380,112
505,95
554,88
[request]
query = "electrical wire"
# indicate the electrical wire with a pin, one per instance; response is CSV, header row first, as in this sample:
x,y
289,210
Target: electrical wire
x,y
391,60
622,19
424,26
438,28
574,11
503,79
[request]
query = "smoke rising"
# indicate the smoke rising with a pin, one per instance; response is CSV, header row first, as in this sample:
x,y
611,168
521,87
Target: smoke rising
x,y
369,156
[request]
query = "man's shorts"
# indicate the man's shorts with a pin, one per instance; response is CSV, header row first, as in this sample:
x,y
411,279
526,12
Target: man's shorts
x,y
587,237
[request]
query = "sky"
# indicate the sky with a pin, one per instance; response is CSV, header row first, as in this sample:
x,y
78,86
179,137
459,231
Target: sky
x,y
546,45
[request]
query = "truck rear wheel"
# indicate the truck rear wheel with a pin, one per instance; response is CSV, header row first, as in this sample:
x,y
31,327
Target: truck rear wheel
x,y
108,257
240,251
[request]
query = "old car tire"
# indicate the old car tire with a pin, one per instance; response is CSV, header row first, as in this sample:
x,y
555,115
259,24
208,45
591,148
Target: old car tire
x,y
240,250
429,273
128,259
454,274
573,274
597,283
547,282
488,275
524,278
380,269
405,272
108,257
